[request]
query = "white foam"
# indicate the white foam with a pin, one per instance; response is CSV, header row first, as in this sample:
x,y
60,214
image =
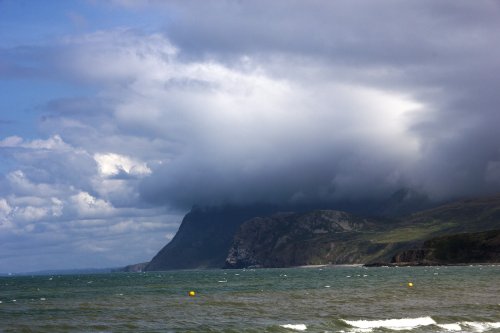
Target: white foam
x,y
451,327
296,327
480,326
393,324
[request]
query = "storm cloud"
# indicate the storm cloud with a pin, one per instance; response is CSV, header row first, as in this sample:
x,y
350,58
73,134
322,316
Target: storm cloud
x,y
351,99
281,102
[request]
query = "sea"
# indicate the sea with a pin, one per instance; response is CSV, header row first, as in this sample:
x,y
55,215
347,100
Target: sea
x,y
312,299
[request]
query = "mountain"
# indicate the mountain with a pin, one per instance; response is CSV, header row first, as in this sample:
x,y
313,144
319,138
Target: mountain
x,y
204,237
236,236
447,234
464,231
472,247
291,239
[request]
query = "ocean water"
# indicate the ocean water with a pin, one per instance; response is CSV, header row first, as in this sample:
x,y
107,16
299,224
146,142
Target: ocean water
x,y
326,299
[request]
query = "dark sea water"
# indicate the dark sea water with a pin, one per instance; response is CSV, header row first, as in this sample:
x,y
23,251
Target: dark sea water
x,y
328,299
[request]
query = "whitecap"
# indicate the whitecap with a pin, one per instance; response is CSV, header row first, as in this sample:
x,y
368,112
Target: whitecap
x,y
296,327
393,324
42,299
480,326
451,327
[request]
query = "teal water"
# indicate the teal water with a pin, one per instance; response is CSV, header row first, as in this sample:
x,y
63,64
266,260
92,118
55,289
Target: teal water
x,y
328,299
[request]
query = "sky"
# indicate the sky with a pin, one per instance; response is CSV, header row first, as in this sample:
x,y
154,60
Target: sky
x,y
116,117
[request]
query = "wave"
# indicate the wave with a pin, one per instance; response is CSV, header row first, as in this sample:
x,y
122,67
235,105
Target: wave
x,y
412,323
296,327
478,326
392,324
469,326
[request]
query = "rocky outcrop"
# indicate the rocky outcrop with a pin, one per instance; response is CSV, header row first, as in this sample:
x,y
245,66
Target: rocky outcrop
x,y
411,256
212,237
288,239
479,247
204,237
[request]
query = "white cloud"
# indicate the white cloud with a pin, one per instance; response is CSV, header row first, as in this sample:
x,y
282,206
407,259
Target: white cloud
x,y
239,120
88,206
11,141
22,185
57,207
53,143
113,164
5,211
5,208
134,56
30,213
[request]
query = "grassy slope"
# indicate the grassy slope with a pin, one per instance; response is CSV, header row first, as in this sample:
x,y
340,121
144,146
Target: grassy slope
x,y
390,237
464,216
312,238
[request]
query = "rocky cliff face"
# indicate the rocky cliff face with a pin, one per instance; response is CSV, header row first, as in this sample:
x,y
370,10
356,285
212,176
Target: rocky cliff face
x,y
212,237
204,237
478,247
288,239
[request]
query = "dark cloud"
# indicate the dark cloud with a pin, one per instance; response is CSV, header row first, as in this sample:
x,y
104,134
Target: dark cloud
x,y
443,56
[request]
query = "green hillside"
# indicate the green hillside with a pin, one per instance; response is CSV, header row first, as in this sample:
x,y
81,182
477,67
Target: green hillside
x,y
333,237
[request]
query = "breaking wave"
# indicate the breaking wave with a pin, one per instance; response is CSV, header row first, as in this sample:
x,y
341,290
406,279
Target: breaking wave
x,y
409,324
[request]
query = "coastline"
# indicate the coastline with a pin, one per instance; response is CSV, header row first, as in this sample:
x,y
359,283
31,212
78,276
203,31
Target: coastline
x,y
428,264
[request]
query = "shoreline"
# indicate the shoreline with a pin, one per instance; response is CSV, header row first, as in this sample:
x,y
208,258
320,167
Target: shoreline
x,y
418,264
328,265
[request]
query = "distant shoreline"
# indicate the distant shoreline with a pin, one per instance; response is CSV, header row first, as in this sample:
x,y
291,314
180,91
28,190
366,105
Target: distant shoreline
x,y
328,265
403,264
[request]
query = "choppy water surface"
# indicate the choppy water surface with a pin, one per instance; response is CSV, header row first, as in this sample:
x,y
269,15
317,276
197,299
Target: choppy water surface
x,y
337,299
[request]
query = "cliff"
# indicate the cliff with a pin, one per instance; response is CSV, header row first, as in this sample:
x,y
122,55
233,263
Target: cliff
x,y
478,247
234,236
204,237
288,239
448,234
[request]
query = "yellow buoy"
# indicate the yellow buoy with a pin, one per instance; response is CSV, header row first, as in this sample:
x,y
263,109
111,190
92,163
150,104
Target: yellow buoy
x,y
410,284
192,293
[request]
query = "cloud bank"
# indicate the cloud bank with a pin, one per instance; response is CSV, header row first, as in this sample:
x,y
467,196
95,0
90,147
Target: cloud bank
x,y
249,102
